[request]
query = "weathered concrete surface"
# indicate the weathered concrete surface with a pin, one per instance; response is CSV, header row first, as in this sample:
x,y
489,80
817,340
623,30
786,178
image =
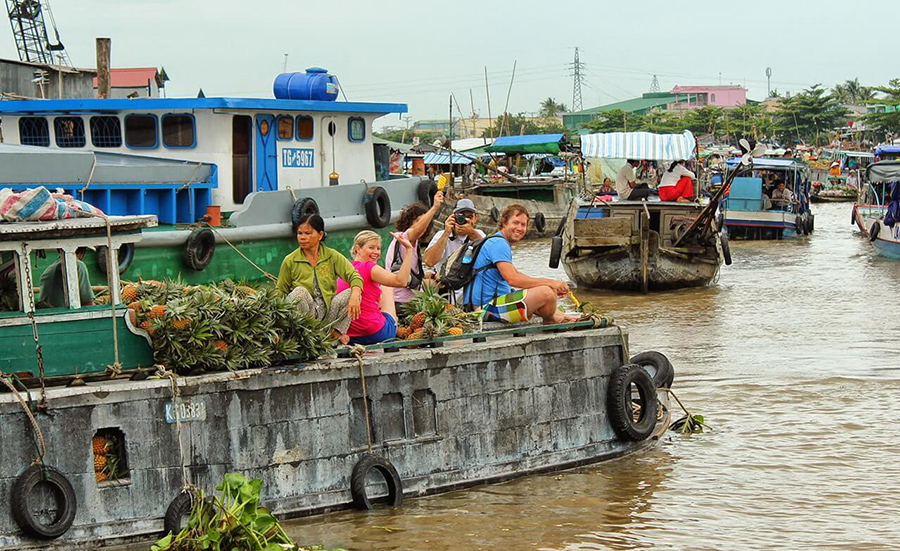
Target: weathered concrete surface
x,y
446,417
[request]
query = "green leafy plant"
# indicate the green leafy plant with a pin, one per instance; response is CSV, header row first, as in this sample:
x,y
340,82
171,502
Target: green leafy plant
x,y
690,424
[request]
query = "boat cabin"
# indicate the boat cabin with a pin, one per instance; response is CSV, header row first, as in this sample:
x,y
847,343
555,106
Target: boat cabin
x,y
753,211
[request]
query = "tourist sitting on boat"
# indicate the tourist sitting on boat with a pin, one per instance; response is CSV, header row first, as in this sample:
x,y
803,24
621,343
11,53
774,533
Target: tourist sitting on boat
x,y
459,228
53,283
677,183
607,188
781,196
309,275
626,185
377,321
413,223
495,277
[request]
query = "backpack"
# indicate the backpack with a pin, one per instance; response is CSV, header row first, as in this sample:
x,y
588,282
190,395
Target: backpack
x,y
459,269
416,272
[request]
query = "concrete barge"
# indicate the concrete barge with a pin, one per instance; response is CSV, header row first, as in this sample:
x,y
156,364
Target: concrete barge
x,y
447,417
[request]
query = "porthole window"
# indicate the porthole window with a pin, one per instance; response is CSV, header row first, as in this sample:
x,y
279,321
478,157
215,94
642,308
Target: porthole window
x,y
34,131
69,131
106,132
140,131
178,130
285,127
304,128
357,129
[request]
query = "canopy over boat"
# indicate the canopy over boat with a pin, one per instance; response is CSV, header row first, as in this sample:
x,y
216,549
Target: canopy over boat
x,y
769,163
889,149
534,143
443,158
640,146
884,172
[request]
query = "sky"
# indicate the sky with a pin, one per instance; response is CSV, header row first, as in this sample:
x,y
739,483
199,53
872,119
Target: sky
x,y
419,53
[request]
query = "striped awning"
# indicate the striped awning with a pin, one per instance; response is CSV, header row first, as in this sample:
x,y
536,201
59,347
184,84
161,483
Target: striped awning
x,y
641,146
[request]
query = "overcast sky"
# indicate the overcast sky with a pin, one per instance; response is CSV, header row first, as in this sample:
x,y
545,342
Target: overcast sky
x,y
420,52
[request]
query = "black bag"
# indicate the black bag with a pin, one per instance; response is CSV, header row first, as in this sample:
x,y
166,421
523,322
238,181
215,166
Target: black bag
x,y
459,269
415,277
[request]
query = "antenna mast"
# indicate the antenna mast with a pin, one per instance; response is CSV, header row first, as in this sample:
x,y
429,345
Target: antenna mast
x,y
577,68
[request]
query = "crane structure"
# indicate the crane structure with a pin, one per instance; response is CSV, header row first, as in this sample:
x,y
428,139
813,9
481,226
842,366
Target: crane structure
x,y
30,31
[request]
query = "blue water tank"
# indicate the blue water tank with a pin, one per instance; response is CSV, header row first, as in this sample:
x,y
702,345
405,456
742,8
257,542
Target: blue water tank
x,y
315,84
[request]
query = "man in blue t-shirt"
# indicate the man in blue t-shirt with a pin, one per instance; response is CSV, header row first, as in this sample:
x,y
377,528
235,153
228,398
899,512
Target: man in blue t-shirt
x,y
492,287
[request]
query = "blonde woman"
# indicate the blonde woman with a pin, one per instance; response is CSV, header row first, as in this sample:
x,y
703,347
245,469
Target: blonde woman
x,y
377,321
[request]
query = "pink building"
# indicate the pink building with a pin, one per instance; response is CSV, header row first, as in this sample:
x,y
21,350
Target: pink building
x,y
693,97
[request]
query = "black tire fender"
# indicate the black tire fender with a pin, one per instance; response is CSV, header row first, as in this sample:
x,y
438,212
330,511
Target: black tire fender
x,y
23,514
874,230
556,245
495,214
726,248
178,509
562,225
126,257
853,216
199,249
358,481
619,403
799,226
377,204
658,366
302,207
809,224
425,192
540,222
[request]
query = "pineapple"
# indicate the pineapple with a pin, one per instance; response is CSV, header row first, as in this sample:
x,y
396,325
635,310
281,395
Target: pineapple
x,y
145,325
100,445
416,335
158,311
403,332
181,323
129,293
418,321
455,331
246,289
99,463
434,330
101,477
132,317
221,345
134,305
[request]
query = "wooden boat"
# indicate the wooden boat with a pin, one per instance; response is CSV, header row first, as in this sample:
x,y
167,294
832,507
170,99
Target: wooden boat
x,y
879,222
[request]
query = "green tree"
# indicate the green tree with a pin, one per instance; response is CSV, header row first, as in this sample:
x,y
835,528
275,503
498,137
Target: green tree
x,y
706,120
549,108
852,92
615,121
747,121
885,118
809,116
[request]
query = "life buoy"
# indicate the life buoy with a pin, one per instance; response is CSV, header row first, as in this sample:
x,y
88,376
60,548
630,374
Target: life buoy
x,y
302,207
540,223
556,245
378,207
495,214
619,402
658,366
126,257
874,230
25,515
726,248
358,481
199,249
426,191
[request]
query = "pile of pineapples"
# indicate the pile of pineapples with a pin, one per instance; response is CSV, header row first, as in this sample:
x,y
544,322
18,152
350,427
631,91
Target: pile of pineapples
x,y
222,326
429,316
106,462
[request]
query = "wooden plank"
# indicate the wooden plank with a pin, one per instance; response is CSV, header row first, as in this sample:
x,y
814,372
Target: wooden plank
x,y
603,227
605,241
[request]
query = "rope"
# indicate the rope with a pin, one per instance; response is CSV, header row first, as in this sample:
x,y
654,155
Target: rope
x,y
35,429
242,255
90,177
357,351
164,373
193,175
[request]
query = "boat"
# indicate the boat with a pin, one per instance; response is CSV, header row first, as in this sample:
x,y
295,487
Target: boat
x,y
224,176
881,221
640,245
748,210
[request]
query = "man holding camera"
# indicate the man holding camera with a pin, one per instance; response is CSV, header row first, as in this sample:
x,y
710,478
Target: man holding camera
x,y
458,229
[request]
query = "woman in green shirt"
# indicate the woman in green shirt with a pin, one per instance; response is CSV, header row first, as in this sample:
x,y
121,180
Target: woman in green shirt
x,y
309,277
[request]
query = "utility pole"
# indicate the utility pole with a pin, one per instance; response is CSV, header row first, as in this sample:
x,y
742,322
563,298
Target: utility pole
x,y
654,85
577,68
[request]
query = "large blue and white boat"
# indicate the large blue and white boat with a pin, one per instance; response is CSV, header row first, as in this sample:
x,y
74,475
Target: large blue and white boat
x,y
881,221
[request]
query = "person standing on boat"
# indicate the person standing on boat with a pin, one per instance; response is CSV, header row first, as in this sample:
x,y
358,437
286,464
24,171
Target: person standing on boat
x,y
53,283
677,183
496,275
413,224
626,185
309,275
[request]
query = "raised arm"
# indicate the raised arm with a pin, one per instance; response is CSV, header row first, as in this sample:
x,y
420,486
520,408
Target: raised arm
x,y
435,250
401,278
417,230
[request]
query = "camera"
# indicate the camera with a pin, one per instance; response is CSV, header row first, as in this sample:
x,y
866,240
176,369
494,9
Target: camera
x,y
461,219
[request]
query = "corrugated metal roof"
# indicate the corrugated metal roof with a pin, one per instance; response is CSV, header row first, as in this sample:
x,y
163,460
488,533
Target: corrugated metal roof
x,y
630,106
135,77
444,159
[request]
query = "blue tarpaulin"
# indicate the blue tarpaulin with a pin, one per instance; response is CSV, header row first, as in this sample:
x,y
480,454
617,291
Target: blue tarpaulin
x,y
444,159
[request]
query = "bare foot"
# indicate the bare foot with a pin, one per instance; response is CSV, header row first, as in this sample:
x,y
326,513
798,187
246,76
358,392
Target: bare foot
x,y
344,339
560,317
681,200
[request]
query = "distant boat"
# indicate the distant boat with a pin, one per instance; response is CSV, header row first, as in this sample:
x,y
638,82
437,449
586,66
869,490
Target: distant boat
x,y
881,221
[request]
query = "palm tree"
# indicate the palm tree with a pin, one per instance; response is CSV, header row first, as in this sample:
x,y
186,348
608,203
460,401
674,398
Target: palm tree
x,y
549,108
852,92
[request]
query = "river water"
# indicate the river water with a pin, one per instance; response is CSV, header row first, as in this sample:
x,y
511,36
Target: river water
x,y
791,357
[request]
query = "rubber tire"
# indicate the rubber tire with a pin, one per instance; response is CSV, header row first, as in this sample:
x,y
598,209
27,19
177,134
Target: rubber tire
x,y
378,207
18,501
663,374
177,509
302,207
808,225
618,398
495,214
358,481
562,226
726,248
874,230
126,257
720,221
426,191
201,240
799,228
853,216
540,223
556,245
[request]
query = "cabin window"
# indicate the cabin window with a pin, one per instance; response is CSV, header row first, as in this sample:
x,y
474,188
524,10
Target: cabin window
x,y
106,132
285,127
69,131
34,131
178,130
357,129
140,131
304,128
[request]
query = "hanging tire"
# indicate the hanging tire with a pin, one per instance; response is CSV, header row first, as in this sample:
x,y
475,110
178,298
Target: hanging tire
x,y
726,249
853,216
358,481
495,214
302,207
658,366
808,224
23,511
874,230
426,191
540,223
378,207
556,245
199,249
126,257
179,510
798,226
720,220
619,403
562,225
